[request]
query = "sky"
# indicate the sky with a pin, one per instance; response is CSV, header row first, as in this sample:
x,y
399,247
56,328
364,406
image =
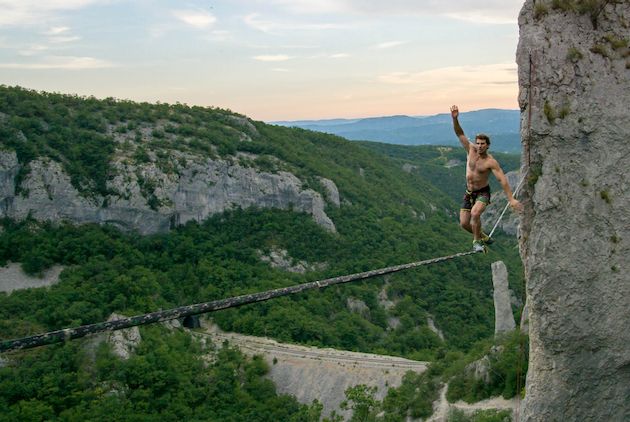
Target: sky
x,y
269,59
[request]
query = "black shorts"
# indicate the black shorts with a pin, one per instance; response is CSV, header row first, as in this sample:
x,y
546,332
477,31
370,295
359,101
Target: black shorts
x,y
481,195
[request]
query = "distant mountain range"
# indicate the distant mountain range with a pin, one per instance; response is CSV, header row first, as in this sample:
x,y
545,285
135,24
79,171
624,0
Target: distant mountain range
x,y
501,125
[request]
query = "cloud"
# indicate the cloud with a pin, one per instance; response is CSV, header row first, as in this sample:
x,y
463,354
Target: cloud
x,y
388,44
496,74
219,36
61,62
32,12
272,58
310,6
60,34
298,46
33,49
328,56
454,73
284,57
60,40
512,82
481,11
56,30
255,21
199,19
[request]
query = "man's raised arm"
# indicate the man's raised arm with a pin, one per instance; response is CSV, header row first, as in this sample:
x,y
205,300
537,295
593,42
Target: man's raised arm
x,y
458,129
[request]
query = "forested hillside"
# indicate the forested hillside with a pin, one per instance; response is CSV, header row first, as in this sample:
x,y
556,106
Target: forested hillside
x,y
386,216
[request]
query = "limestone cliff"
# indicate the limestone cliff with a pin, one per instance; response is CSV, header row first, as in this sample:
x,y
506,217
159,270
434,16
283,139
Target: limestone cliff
x,y
198,188
503,317
574,77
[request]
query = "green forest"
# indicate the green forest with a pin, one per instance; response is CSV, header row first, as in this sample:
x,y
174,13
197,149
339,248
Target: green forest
x,y
107,270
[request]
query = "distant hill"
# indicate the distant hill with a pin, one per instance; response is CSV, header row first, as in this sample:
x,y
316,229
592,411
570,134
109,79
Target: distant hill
x,y
501,125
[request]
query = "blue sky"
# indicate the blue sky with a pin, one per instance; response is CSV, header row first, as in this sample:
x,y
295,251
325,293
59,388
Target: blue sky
x,y
269,59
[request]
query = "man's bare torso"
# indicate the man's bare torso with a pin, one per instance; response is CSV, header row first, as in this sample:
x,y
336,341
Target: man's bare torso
x,y
478,168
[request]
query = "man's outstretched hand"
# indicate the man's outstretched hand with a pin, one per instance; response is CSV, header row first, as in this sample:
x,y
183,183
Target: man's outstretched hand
x,y
454,112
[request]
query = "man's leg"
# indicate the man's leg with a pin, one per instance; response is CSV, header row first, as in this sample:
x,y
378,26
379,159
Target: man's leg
x,y
464,220
475,219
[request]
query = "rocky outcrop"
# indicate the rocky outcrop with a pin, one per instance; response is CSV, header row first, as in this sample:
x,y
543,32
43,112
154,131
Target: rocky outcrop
x,y
46,193
408,168
13,278
479,369
357,306
9,169
201,188
332,193
574,77
383,298
123,342
503,317
279,258
453,163
434,328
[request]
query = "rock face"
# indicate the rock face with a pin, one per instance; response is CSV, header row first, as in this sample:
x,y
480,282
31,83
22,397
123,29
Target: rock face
x,y
8,171
279,258
195,191
358,306
123,342
434,328
332,193
574,77
524,324
503,317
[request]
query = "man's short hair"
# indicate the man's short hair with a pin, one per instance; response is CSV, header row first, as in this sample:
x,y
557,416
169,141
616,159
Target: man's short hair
x,y
484,137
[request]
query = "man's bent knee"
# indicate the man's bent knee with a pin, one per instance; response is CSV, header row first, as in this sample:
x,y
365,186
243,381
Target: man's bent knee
x,y
475,213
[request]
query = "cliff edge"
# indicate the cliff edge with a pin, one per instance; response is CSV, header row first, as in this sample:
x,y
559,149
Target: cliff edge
x,y
574,78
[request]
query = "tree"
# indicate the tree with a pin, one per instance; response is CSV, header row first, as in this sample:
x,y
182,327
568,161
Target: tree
x,y
360,399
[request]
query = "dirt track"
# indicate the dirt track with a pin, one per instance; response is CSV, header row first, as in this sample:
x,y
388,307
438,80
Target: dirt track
x,y
262,345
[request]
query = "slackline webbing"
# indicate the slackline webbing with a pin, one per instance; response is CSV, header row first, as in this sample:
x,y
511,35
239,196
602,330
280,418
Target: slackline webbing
x,y
216,305
201,308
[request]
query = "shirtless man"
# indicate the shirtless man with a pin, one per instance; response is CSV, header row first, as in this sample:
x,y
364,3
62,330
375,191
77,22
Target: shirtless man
x,y
479,164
